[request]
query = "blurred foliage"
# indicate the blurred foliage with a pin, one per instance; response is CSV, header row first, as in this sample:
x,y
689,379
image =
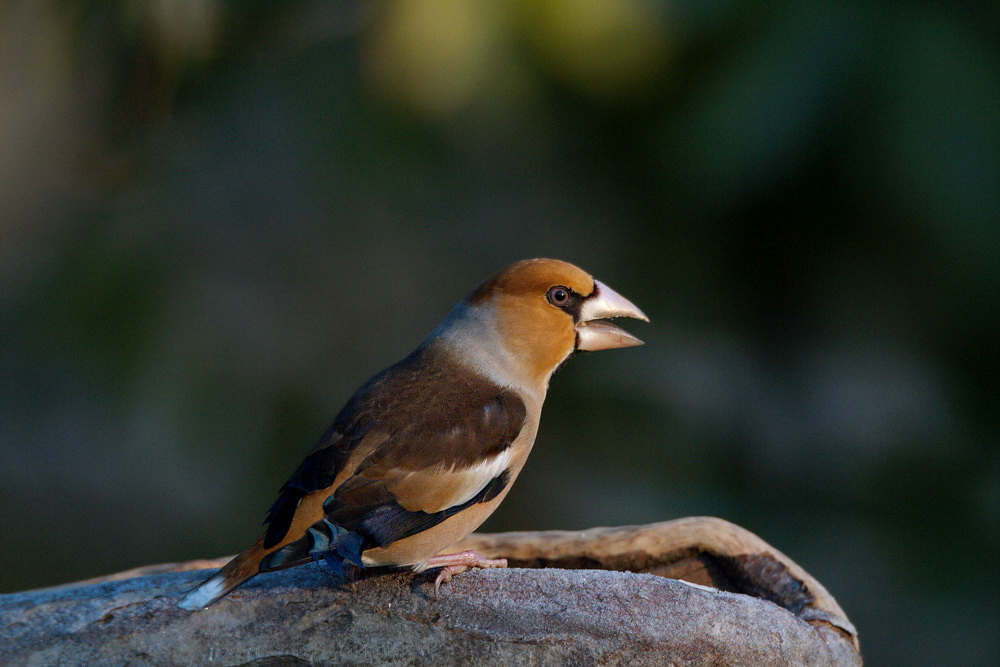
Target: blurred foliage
x,y
218,218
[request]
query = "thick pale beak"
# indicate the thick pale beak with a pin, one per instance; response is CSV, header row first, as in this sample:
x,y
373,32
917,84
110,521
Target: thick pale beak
x,y
593,332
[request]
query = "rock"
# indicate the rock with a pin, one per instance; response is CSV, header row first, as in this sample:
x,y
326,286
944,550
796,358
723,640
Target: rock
x,y
517,616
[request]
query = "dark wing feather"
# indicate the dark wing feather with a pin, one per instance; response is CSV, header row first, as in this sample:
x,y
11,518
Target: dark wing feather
x,y
388,522
317,471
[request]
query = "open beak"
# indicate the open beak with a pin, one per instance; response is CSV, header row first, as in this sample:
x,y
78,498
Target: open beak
x,y
593,332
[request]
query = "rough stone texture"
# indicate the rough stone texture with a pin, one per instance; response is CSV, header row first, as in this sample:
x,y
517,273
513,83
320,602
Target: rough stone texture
x,y
492,617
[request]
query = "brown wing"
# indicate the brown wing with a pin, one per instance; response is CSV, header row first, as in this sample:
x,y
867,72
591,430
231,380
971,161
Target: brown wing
x,y
428,438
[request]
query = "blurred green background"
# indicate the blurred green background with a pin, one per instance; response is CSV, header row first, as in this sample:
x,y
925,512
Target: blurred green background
x,y
218,218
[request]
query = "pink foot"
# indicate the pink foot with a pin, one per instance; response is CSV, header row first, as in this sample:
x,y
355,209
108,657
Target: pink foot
x,y
452,564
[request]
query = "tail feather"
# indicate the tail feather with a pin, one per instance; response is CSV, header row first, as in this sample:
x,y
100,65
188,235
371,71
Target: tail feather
x,y
234,573
209,592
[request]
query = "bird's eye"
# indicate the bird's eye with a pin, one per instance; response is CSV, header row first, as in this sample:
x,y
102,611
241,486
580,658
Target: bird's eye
x,y
558,295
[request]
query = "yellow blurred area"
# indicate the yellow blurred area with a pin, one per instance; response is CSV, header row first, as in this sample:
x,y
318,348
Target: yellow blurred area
x,y
180,29
436,55
603,48
45,115
439,56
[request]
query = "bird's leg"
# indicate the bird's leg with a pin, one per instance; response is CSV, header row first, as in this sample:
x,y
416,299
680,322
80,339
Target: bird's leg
x,y
452,564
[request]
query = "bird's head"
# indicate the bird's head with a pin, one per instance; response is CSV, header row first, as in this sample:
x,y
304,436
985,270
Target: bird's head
x,y
538,312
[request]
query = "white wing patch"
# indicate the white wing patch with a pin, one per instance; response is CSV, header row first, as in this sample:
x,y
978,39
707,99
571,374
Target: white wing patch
x,y
434,490
479,476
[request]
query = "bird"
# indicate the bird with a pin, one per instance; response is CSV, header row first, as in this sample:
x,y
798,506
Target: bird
x,y
427,449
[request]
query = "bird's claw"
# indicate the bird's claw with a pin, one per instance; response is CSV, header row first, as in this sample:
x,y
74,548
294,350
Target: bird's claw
x,y
452,564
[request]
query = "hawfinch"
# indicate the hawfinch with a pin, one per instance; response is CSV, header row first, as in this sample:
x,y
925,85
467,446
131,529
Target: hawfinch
x,y
424,452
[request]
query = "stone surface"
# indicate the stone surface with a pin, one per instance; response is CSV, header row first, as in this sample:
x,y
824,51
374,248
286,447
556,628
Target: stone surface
x,y
501,617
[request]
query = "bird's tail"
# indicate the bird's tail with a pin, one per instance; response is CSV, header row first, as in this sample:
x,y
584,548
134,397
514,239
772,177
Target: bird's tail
x,y
324,541
234,573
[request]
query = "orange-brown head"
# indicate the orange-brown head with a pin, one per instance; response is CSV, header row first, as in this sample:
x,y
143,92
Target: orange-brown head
x,y
522,323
